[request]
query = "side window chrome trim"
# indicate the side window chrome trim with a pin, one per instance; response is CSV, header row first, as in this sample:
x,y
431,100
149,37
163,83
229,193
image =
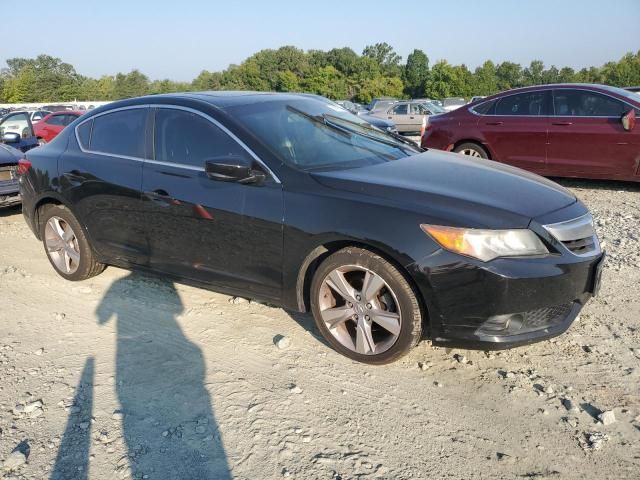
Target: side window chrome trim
x,y
96,152
170,164
552,90
225,130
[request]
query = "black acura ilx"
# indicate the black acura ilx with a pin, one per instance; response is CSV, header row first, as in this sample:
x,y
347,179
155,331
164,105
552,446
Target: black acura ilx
x,y
289,199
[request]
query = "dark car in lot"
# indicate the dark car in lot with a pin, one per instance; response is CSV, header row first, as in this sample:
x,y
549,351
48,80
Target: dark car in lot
x,y
9,191
565,130
287,199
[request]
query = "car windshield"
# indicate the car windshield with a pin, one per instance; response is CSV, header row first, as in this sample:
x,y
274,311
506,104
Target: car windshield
x,y
435,108
311,134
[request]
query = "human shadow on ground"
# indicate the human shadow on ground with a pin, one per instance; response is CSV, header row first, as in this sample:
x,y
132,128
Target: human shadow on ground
x,y
168,421
72,460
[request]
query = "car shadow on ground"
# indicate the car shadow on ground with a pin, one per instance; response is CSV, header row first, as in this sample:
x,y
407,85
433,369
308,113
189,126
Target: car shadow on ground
x,y
168,422
9,211
612,185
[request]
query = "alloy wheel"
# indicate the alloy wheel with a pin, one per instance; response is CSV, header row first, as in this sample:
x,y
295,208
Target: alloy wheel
x,y
62,245
360,310
471,152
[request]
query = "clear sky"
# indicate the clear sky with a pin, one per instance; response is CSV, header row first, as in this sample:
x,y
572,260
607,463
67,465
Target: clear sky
x,y
177,39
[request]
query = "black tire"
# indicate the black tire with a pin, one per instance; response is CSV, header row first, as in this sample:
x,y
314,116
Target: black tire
x,y
411,315
471,147
87,266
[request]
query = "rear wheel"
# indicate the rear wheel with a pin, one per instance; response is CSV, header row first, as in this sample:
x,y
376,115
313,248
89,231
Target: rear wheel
x,y
364,307
472,150
66,244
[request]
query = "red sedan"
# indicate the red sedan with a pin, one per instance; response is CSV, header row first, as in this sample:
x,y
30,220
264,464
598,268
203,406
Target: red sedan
x,y
51,125
565,130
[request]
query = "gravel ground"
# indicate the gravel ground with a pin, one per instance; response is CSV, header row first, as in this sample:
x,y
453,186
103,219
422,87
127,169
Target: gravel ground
x,y
129,376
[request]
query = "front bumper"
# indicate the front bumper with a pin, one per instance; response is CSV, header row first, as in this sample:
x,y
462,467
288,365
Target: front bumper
x,y
504,303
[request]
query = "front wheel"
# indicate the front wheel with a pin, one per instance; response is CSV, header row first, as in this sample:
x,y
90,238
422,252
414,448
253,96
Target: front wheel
x,y
472,150
364,307
66,244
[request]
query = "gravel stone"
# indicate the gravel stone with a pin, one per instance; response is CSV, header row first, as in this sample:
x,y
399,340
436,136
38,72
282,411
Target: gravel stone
x,y
283,343
14,460
607,418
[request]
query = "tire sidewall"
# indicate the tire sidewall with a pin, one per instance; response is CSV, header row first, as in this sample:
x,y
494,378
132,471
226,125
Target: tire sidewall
x,y
86,254
411,327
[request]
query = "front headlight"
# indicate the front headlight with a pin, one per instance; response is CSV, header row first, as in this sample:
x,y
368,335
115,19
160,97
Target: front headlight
x,y
486,245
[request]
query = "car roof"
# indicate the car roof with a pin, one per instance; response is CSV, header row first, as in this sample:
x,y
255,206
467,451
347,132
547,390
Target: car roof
x,y
607,89
220,99
68,112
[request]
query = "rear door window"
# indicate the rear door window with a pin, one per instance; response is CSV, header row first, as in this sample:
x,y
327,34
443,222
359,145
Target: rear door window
x,y
186,138
120,133
523,104
585,103
84,133
400,109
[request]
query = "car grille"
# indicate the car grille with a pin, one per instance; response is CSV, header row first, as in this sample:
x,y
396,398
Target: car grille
x,y
8,173
525,322
577,235
543,317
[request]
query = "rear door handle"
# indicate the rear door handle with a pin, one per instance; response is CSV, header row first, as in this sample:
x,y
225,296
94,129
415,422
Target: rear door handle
x,y
562,124
495,123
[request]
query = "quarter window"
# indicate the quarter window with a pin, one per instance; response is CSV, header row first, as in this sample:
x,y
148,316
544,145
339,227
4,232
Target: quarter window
x,y
84,133
522,104
120,133
583,103
189,139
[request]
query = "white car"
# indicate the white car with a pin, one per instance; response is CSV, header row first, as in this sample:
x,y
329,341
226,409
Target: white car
x,y
453,103
9,125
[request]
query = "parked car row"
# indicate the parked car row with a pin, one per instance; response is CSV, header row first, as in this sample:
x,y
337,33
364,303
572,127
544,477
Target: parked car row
x,y
564,130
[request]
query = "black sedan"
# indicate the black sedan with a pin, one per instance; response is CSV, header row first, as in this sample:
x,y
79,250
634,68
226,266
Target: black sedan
x,y
291,200
9,158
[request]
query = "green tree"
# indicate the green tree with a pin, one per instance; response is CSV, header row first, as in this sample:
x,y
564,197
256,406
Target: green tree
x,y
385,57
509,75
415,73
132,84
485,81
287,82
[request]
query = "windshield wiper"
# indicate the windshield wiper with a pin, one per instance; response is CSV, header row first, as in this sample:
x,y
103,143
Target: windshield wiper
x,y
376,131
334,122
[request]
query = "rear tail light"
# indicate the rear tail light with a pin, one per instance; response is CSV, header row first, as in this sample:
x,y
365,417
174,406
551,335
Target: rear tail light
x,y
24,166
423,128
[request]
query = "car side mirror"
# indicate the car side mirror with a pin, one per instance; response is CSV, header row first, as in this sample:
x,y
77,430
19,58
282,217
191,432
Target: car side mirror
x,y
11,138
234,168
628,120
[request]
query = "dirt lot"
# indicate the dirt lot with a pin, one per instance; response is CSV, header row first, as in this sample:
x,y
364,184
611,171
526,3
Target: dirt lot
x,y
129,376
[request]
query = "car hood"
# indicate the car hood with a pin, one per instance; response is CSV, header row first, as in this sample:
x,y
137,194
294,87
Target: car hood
x,y
9,155
451,189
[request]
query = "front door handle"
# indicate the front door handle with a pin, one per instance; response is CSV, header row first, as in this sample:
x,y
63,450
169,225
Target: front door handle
x,y
562,124
160,196
495,123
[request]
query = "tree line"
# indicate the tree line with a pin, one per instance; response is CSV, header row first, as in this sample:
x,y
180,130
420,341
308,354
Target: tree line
x,y
339,73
